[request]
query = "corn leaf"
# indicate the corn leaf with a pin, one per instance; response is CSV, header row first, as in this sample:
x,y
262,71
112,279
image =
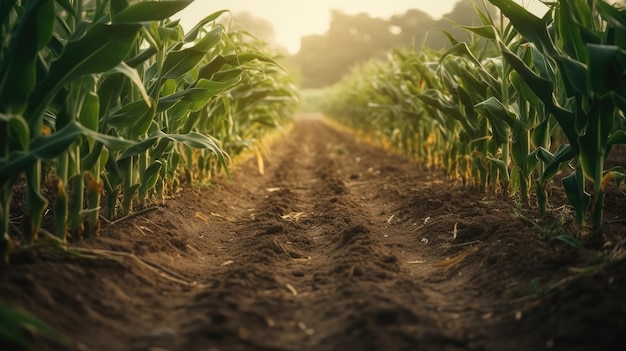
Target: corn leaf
x,y
200,94
564,153
619,137
577,197
177,63
17,127
17,69
193,33
102,48
150,176
133,75
544,89
528,25
146,11
606,64
13,323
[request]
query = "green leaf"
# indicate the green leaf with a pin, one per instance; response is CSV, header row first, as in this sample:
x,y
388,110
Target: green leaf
x,y
502,167
18,67
6,7
460,49
564,153
94,156
150,176
49,147
102,48
142,56
40,148
544,89
147,11
567,18
192,140
606,64
243,58
450,37
133,75
528,25
570,240
487,31
578,198
524,89
198,96
118,6
228,75
207,71
619,137
17,127
90,112
575,74
177,63
193,33
128,115
13,323
494,109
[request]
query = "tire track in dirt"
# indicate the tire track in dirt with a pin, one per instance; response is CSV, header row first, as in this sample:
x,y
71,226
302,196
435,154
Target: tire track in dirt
x,y
312,272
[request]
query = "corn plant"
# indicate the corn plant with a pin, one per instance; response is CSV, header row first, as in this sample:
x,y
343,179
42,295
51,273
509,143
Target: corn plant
x,y
124,97
490,110
586,50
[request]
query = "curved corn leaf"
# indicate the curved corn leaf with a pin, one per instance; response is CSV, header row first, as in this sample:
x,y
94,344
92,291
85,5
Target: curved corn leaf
x,y
199,95
544,89
133,75
486,31
18,65
530,26
577,197
102,48
13,323
563,154
49,147
606,62
17,128
40,148
619,137
570,240
193,33
146,11
118,6
129,114
177,63
150,176
575,74
192,139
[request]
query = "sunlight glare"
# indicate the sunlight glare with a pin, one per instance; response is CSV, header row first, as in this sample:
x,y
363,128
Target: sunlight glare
x,y
293,19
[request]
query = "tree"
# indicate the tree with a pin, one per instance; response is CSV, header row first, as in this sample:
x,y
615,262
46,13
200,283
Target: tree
x,y
350,39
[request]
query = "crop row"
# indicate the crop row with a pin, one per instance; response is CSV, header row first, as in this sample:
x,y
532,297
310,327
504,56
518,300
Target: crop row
x,y
110,103
527,98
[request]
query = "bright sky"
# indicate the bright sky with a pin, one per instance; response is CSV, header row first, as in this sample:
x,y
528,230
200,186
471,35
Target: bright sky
x,y
294,18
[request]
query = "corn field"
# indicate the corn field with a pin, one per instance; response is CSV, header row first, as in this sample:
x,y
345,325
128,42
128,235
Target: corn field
x,y
492,217
111,105
528,103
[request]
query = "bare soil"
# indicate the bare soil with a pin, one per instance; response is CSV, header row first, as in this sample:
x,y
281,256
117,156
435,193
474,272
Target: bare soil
x,y
340,245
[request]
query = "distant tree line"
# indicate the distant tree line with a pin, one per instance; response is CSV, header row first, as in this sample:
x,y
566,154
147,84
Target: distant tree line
x,y
324,59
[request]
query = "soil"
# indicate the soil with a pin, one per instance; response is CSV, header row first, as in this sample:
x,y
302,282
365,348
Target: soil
x,y
339,245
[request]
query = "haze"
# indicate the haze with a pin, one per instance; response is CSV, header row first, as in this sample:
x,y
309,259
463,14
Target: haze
x,y
293,19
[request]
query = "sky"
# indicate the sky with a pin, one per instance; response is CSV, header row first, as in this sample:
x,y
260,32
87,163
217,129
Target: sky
x,y
293,19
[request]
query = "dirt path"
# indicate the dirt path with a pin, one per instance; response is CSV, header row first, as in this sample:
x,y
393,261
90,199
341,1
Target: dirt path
x,y
338,246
